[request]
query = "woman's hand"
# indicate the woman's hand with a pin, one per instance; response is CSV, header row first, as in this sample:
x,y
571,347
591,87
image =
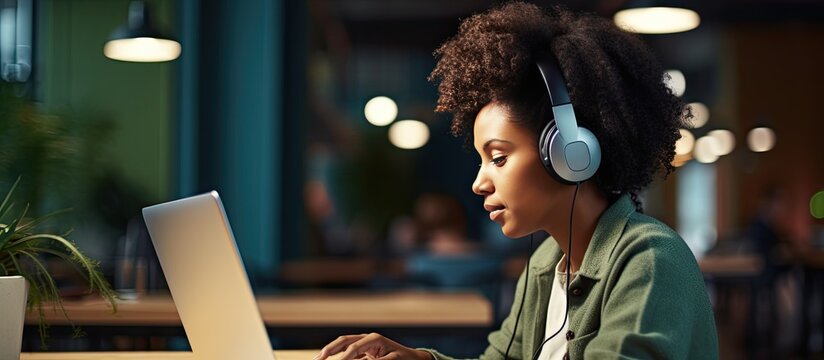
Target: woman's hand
x,y
370,346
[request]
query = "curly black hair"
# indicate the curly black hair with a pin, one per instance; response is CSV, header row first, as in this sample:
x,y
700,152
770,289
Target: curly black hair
x,y
615,84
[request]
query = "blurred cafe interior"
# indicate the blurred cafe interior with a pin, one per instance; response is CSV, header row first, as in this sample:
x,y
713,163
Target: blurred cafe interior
x,y
350,200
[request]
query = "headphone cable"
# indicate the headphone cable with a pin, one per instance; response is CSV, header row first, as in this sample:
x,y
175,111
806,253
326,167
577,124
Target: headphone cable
x,y
526,282
521,308
568,280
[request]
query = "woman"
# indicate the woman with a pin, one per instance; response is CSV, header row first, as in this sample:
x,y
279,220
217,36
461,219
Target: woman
x,y
635,288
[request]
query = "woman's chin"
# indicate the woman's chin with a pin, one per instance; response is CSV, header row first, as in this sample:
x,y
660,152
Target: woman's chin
x,y
512,232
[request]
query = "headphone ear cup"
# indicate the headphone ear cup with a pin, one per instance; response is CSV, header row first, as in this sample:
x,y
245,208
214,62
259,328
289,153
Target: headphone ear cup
x,y
550,143
549,133
543,145
574,161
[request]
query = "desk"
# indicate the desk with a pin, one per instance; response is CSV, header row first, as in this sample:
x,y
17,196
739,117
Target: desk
x,y
306,319
731,265
323,309
151,355
811,261
732,276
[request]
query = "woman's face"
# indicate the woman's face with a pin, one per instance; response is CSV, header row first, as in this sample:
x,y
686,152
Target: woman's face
x,y
518,192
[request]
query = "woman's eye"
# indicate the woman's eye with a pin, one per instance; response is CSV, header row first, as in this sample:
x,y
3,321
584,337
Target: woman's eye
x,y
498,161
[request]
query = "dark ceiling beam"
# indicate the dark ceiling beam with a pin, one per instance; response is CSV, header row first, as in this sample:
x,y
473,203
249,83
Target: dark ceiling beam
x,y
723,11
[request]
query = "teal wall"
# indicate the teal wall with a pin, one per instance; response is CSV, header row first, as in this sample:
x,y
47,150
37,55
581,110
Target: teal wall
x,y
75,78
230,129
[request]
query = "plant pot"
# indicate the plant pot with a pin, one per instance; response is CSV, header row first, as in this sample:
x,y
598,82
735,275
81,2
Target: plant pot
x,y
13,292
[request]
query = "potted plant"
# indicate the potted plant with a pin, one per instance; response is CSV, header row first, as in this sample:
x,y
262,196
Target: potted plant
x,y
23,250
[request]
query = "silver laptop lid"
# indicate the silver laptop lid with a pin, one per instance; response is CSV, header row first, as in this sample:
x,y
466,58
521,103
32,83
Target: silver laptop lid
x,y
206,277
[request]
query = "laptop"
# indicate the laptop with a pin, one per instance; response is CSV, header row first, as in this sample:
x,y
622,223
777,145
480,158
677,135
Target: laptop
x,y
206,277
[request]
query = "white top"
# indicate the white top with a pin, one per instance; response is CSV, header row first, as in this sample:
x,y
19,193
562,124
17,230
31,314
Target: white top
x,y
556,312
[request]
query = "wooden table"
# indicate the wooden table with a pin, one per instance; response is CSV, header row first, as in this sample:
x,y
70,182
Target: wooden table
x,y
731,265
322,309
151,355
301,319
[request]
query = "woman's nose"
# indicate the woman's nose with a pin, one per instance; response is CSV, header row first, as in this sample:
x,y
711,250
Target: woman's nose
x,y
482,185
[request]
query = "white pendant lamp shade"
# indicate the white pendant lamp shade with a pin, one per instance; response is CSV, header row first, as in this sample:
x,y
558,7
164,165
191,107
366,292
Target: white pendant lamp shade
x,y
138,40
143,49
657,19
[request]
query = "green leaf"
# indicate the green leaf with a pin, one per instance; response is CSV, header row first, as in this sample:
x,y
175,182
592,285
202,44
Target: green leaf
x,y
50,287
63,256
96,280
31,224
5,205
3,213
11,229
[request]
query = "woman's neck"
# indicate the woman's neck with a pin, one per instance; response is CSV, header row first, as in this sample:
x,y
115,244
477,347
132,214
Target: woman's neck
x,y
590,204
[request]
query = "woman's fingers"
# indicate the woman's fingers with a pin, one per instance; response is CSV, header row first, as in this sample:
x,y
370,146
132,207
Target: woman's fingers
x,y
369,347
372,344
367,356
337,345
390,356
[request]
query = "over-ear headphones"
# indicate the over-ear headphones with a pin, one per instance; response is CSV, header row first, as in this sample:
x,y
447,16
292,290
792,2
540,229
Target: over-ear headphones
x,y
571,154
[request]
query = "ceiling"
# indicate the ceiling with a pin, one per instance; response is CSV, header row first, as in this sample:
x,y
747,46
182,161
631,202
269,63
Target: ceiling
x,y
426,23
421,25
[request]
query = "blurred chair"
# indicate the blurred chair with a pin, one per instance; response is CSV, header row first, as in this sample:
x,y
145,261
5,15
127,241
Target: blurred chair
x,y
328,273
469,271
475,271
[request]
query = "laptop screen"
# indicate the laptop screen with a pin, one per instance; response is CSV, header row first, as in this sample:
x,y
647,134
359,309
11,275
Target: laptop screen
x,y
207,279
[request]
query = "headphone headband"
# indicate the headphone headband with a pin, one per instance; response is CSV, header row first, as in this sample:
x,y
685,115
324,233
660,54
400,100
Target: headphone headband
x,y
553,79
558,96
569,153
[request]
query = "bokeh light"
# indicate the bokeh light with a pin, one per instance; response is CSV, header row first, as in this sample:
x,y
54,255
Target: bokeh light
x,y
685,144
725,141
700,114
680,160
817,205
380,111
676,82
706,149
409,134
761,139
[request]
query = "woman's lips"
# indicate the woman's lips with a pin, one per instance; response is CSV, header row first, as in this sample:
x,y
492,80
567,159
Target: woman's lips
x,y
495,214
495,210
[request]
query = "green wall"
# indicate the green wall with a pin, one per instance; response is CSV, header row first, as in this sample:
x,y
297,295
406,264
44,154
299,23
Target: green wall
x,y
75,77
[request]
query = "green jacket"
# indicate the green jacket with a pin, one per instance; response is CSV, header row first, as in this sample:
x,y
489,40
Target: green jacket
x,y
638,295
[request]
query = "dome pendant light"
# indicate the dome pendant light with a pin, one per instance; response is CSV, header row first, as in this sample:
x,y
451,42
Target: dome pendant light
x,y
139,41
656,17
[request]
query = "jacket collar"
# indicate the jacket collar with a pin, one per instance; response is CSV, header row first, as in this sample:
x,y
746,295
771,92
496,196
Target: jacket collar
x,y
607,232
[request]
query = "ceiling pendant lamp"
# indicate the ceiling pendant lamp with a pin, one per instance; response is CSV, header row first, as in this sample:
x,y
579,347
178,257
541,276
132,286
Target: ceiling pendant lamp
x,y
656,17
139,41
